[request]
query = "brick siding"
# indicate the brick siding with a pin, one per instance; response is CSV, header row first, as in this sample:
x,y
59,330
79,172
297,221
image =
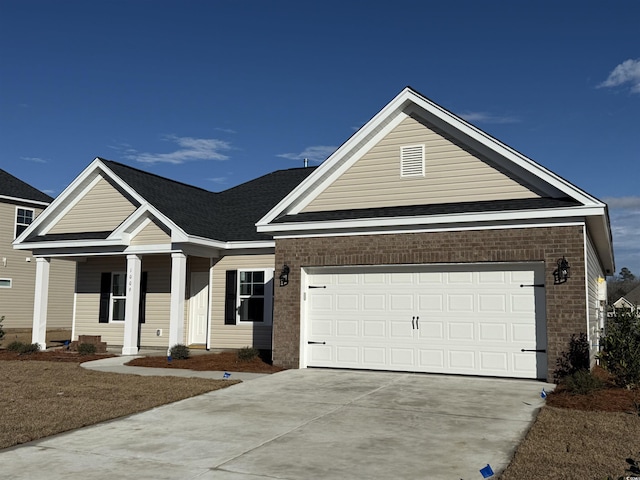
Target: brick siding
x,y
565,303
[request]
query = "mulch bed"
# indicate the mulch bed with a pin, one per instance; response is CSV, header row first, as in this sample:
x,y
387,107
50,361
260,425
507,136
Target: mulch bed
x,y
224,361
52,356
608,399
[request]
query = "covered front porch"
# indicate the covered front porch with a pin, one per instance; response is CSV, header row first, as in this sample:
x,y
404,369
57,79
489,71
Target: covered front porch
x,y
134,300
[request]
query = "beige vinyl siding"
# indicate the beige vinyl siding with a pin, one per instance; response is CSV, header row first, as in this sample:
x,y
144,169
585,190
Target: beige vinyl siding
x,y
16,303
452,174
236,336
101,209
152,234
158,304
594,271
88,299
62,279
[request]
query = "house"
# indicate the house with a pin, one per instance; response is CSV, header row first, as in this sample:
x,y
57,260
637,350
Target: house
x,y
20,204
630,301
421,244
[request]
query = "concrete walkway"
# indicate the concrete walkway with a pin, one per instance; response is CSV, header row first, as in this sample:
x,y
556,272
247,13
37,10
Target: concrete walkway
x,y
117,365
302,424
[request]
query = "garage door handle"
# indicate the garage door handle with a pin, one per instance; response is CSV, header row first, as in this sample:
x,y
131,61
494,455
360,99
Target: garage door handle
x,y
317,286
537,351
539,285
316,343
413,324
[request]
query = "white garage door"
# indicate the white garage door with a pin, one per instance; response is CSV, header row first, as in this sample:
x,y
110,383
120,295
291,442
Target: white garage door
x,y
480,320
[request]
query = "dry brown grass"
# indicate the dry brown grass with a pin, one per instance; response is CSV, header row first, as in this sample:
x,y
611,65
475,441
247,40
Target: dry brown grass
x,y
44,398
567,444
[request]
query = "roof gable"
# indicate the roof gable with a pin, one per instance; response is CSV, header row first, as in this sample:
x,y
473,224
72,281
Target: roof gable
x,y
446,171
14,189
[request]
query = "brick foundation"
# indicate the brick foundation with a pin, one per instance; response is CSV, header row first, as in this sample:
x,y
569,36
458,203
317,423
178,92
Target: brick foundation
x,y
565,303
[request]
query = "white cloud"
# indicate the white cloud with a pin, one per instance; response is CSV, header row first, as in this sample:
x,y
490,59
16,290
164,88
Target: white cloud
x,y
317,153
34,159
624,213
622,202
217,179
628,72
225,130
484,117
191,149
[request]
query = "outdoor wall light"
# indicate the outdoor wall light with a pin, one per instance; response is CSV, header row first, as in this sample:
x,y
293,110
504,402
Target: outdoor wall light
x,y
284,275
561,273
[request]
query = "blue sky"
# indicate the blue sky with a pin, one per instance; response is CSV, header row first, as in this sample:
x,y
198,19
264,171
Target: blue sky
x,y
214,93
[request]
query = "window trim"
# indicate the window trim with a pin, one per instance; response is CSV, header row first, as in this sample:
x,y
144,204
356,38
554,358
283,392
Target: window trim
x,y
113,297
235,297
26,225
6,280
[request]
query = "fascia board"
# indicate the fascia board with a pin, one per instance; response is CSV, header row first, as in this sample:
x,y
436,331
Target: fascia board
x,y
303,188
230,245
68,244
24,200
432,219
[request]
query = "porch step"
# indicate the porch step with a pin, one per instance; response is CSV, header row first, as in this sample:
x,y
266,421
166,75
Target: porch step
x,y
101,347
197,346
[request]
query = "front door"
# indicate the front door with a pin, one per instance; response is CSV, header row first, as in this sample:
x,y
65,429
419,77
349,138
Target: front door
x,y
199,302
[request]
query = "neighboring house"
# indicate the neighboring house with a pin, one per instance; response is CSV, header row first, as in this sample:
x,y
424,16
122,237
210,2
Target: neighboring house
x,y
422,244
630,301
20,204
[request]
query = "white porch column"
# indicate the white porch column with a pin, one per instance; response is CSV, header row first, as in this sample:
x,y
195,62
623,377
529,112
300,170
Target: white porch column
x,y
40,302
132,305
178,288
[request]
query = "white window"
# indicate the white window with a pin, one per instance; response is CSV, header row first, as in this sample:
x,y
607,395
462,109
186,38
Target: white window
x,y
412,161
118,296
249,296
5,283
24,217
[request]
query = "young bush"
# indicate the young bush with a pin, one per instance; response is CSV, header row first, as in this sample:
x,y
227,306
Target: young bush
x,y
574,360
620,353
582,382
15,346
23,348
179,352
86,349
1,329
247,353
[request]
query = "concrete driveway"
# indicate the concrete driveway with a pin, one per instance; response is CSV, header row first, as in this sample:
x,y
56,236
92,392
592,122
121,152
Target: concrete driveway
x,y
302,424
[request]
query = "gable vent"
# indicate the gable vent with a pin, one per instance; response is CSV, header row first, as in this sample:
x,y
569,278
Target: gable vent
x,y
412,161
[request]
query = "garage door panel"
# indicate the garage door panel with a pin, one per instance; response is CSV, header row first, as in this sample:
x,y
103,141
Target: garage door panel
x,y
492,332
468,322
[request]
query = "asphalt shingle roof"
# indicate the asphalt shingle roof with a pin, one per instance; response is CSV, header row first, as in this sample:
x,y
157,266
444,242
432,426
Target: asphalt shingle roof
x,y
11,186
633,296
229,215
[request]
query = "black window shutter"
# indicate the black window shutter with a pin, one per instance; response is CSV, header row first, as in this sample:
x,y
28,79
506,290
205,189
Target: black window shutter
x,y
230,297
105,296
143,298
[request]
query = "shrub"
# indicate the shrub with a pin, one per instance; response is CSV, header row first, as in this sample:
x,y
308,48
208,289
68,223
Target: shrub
x,y
179,352
574,360
620,354
15,346
1,329
23,348
582,382
86,349
247,353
